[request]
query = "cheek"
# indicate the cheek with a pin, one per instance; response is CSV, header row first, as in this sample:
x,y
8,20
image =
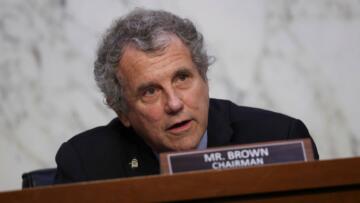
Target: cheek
x,y
149,113
202,96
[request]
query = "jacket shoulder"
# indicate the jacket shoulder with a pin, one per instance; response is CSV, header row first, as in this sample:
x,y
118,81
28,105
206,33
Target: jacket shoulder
x,y
78,158
95,136
254,124
236,113
104,138
250,125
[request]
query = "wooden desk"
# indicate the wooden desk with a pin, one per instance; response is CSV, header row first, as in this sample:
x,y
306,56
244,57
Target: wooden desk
x,y
318,181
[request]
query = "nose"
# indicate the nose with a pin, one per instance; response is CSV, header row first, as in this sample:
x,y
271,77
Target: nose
x,y
174,103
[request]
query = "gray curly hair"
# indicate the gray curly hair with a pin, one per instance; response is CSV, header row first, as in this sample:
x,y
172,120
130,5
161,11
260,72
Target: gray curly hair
x,y
145,30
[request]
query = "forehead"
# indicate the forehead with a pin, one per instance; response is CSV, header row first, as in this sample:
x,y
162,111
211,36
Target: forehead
x,y
173,47
136,65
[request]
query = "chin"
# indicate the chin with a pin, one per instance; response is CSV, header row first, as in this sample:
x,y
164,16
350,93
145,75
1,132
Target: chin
x,y
186,145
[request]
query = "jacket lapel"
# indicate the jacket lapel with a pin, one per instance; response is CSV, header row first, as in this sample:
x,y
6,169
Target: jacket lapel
x,y
141,160
137,159
219,124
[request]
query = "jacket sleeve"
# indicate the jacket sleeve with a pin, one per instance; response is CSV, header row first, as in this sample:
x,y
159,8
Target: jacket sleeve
x,y
298,130
69,167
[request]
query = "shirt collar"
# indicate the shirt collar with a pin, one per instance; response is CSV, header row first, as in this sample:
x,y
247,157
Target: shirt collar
x,y
203,142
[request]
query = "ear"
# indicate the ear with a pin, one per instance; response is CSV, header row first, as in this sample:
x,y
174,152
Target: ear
x,y
124,119
122,116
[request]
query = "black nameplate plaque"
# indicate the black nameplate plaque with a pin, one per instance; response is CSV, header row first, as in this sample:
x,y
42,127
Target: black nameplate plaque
x,y
238,156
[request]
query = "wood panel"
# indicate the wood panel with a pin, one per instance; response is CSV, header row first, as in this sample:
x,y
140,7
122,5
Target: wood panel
x,y
321,181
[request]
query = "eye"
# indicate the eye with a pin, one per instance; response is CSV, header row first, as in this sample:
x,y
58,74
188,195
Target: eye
x,y
150,91
182,77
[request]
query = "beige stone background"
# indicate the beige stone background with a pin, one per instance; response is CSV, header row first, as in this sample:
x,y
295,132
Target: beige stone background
x,y
296,57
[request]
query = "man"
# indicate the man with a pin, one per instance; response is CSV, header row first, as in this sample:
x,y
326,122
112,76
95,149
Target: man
x,y
152,67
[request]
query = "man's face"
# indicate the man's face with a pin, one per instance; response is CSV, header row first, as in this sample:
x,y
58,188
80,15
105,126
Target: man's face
x,y
167,99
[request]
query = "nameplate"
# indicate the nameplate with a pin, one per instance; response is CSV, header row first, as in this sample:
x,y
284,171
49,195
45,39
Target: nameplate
x,y
237,156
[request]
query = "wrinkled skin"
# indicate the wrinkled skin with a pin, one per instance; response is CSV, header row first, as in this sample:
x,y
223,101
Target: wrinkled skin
x,y
167,99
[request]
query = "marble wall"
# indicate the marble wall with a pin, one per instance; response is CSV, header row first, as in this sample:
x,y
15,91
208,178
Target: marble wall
x,y
297,57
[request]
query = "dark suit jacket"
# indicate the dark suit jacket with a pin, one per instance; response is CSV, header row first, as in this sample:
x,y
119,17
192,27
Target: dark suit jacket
x,y
106,152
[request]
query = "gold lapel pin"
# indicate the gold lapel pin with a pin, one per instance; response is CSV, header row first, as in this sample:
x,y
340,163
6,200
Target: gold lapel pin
x,y
134,163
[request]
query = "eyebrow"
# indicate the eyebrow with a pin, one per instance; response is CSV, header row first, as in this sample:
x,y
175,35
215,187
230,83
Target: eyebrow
x,y
144,86
182,70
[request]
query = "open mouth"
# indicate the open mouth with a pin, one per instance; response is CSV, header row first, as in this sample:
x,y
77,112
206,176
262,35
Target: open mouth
x,y
179,125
